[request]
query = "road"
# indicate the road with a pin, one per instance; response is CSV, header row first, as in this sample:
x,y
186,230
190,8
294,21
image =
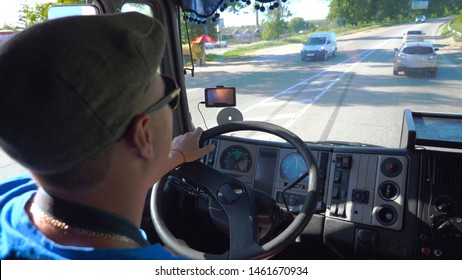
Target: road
x,y
351,97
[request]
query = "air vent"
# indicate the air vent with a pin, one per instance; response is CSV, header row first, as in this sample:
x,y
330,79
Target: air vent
x,y
447,172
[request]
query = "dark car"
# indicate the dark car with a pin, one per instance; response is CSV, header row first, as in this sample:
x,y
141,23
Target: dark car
x,y
420,18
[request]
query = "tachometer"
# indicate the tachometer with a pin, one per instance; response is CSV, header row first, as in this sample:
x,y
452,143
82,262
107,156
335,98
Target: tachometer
x,y
293,166
236,158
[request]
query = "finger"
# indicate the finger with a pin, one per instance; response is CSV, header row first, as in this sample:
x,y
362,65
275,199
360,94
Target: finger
x,y
207,149
198,132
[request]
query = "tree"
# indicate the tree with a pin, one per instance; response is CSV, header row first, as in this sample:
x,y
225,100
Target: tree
x,y
275,25
297,24
30,15
196,29
9,27
210,26
364,11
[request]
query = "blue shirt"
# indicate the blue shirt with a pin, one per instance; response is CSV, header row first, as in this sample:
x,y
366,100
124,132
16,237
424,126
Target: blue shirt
x,y
20,239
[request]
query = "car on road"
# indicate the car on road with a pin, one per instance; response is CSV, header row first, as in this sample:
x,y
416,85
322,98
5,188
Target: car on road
x,y
319,46
416,57
413,35
421,18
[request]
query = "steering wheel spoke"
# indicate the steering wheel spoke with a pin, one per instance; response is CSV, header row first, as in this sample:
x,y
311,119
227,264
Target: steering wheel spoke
x,y
233,197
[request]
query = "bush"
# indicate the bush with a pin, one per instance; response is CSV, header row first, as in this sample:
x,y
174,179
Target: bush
x,y
460,18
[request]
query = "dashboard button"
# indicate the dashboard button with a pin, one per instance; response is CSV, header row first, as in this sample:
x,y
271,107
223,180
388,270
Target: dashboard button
x,y
335,190
341,209
426,251
346,162
337,176
333,208
338,161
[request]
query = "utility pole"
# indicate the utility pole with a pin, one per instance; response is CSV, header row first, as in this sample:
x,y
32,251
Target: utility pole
x,y
257,23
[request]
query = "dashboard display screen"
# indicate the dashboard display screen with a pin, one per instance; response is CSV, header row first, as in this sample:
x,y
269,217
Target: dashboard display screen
x,y
220,97
265,169
439,129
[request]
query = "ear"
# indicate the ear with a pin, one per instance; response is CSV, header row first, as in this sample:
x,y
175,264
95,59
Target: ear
x,y
140,137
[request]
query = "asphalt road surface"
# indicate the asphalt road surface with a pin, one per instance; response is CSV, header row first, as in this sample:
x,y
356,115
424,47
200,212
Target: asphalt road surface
x,y
352,97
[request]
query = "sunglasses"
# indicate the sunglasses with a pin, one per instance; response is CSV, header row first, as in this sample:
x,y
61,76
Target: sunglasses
x,y
171,96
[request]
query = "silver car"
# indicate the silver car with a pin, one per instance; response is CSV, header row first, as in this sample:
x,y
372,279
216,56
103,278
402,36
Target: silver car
x,y
413,35
416,57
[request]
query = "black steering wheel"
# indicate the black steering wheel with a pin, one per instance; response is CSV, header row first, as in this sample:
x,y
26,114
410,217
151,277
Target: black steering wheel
x,y
237,201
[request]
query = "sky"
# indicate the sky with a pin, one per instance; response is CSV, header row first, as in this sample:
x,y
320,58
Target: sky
x,y
307,9
9,9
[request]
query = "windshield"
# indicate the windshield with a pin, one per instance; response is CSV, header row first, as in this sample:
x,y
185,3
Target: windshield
x,y
417,50
316,41
352,95
414,33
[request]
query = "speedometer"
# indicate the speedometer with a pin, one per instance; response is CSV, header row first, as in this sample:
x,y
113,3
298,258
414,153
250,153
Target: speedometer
x,y
236,158
293,166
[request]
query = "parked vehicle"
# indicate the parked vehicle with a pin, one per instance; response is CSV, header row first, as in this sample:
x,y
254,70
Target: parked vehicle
x,y
209,45
5,35
221,44
416,56
319,46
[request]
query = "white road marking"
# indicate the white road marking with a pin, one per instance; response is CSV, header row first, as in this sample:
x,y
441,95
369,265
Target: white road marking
x,y
348,64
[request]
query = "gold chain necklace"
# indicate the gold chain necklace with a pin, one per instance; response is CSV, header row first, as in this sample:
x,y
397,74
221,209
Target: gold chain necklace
x,y
70,228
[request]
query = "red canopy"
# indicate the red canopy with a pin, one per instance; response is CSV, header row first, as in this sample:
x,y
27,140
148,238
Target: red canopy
x,y
203,39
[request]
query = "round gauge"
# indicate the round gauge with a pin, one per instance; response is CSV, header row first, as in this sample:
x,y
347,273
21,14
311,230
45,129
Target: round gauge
x,y
389,190
293,166
236,158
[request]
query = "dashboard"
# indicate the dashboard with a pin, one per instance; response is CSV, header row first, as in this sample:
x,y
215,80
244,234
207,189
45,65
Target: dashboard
x,y
375,202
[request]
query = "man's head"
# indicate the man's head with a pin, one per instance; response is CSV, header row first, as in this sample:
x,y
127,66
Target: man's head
x,y
72,86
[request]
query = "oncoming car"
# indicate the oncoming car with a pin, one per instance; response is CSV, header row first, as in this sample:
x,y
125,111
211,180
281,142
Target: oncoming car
x,y
416,57
420,19
413,35
339,160
319,45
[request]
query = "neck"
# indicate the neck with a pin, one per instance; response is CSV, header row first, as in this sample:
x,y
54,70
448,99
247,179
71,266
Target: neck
x,y
67,218
118,199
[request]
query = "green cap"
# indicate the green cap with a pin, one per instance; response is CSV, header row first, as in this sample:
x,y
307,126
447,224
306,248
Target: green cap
x,y
69,87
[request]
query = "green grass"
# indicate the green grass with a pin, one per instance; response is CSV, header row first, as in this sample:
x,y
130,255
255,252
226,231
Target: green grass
x,y
253,47
444,31
456,25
